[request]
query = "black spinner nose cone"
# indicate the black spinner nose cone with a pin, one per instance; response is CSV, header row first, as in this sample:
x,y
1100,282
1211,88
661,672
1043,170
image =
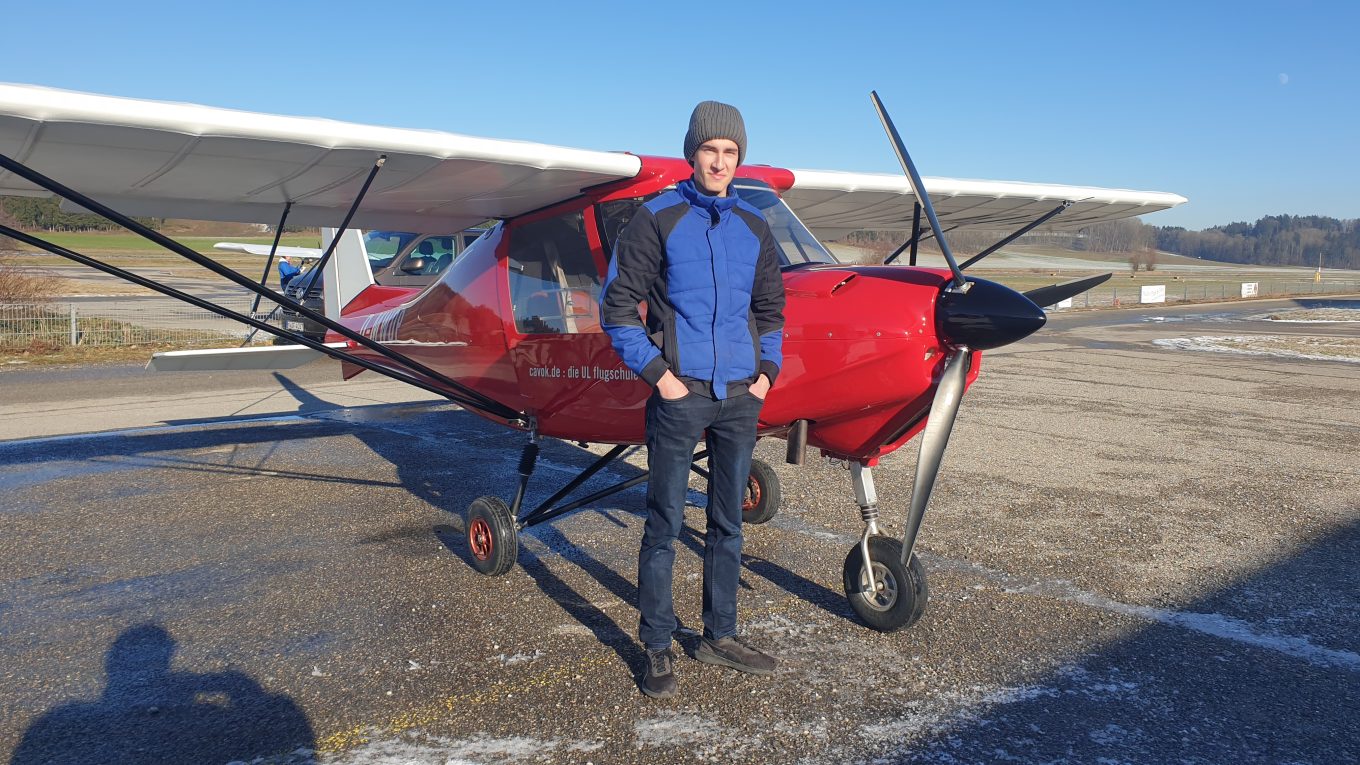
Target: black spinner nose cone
x,y
988,315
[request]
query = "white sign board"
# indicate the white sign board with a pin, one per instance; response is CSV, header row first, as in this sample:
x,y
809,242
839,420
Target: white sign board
x,y
1249,289
1065,303
1153,293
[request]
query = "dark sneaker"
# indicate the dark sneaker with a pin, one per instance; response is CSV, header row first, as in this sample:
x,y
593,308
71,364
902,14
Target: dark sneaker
x,y
732,652
658,680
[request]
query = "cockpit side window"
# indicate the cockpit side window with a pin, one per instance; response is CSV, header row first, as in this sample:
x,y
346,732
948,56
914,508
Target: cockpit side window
x,y
554,282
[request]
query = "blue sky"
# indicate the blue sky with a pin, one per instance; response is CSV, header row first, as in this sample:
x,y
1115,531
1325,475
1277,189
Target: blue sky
x,y
1247,108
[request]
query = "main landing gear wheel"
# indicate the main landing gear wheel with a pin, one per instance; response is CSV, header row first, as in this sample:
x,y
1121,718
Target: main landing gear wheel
x,y
763,496
901,590
492,538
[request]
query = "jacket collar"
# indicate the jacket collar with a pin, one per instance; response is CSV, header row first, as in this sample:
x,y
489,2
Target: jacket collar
x,y
711,205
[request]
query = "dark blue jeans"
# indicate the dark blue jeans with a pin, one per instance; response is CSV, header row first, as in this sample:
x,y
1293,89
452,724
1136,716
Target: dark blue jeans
x,y
673,430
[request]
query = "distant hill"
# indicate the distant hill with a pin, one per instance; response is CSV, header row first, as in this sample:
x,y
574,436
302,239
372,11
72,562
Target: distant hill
x,y
1275,240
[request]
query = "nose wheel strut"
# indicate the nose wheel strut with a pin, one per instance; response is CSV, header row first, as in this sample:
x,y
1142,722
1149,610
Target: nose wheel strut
x,y
886,592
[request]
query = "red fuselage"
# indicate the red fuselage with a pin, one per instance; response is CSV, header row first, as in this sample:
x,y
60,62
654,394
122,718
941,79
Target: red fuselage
x,y
860,348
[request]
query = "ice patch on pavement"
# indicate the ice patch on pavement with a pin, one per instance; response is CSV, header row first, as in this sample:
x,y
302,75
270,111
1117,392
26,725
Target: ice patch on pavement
x,y
783,626
1213,624
1293,347
519,658
1333,312
931,719
677,729
478,750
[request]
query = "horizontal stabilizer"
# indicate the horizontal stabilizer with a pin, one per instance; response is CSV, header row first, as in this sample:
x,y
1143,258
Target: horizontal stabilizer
x,y
220,359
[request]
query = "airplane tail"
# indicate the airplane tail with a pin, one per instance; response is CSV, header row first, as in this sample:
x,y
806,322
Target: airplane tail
x,y
347,274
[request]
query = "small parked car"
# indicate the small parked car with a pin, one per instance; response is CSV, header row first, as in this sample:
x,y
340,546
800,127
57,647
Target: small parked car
x,y
396,259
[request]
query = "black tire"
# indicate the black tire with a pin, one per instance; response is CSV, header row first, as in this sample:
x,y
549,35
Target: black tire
x,y
761,500
903,592
492,539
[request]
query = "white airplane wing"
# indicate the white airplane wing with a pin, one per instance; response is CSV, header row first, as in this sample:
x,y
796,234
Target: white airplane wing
x,y
835,203
304,253
186,161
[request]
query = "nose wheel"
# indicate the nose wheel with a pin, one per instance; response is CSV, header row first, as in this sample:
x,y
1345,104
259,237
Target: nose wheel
x,y
895,596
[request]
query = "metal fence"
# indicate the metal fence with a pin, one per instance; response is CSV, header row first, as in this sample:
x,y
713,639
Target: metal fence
x,y
119,322
1113,293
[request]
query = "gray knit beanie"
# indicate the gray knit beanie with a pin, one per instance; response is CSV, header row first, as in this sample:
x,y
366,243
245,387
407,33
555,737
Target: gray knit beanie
x,y
715,120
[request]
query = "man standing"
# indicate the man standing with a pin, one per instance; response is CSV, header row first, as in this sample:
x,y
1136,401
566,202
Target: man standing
x,y
286,271
706,264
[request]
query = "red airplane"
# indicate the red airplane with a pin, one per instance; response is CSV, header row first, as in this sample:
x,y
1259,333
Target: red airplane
x,y
873,355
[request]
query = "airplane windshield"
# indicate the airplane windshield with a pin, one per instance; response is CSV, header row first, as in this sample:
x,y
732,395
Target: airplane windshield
x,y
383,246
796,243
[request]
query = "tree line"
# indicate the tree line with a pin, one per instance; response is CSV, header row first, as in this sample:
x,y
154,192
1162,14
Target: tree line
x,y
45,214
1275,240
1286,240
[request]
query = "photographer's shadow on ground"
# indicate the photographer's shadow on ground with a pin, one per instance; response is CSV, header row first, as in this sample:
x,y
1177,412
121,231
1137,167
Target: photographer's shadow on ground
x,y
150,713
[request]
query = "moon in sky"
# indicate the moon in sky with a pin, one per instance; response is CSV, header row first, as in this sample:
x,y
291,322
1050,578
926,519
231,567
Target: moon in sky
x,y
1284,78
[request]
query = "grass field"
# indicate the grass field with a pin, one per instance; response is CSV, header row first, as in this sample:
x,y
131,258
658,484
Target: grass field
x,y
130,251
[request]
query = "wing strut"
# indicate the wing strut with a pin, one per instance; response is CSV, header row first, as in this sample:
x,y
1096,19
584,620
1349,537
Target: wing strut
x,y
269,263
1018,233
472,397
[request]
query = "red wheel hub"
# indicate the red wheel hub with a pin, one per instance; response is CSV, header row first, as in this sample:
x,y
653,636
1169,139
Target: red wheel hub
x,y
479,539
752,494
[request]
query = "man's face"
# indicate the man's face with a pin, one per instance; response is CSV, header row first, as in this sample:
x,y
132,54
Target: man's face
x,y
714,163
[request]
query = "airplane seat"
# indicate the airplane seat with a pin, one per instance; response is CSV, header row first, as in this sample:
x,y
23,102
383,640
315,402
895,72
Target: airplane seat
x,y
584,307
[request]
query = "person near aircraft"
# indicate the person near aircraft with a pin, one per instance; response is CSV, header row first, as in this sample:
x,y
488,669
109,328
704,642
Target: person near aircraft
x,y
286,271
708,267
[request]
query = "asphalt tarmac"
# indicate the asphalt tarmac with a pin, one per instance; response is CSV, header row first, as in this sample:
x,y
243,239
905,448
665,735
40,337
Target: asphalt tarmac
x,y
1136,555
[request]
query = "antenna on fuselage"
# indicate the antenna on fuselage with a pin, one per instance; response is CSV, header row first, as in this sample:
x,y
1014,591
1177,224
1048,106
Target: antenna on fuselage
x,y
960,283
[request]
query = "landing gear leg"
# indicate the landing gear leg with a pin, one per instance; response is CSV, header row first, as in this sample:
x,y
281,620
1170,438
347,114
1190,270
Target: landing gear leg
x,y
492,533
884,591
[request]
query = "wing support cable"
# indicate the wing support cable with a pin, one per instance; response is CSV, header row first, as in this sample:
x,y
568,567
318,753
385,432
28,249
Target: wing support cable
x,y
1018,233
268,266
915,229
336,353
548,510
467,395
915,239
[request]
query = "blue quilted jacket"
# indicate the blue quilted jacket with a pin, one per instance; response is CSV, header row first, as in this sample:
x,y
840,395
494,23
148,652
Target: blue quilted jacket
x,y
709,271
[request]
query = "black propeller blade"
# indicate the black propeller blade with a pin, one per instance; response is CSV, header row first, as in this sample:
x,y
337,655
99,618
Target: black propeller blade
x,y
1056,293
970,315
918,187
